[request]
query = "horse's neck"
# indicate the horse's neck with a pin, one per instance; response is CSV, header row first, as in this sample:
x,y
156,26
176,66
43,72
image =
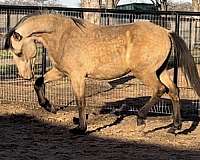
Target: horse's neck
x,y
38,24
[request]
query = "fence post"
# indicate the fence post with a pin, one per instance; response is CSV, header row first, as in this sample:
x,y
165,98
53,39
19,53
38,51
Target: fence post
x,y
44,54
190,35
8,21
176,55
131,18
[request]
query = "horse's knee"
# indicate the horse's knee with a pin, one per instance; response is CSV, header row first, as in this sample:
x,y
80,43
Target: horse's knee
x,y
39,83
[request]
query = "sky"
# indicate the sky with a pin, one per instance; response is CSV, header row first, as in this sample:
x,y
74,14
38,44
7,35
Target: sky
x,y
75,3
70,3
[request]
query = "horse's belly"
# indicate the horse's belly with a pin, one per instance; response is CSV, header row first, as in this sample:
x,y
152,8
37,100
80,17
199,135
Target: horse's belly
x,y
107,72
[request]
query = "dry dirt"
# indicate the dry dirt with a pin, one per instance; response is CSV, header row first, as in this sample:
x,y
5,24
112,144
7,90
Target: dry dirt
x,y
29,132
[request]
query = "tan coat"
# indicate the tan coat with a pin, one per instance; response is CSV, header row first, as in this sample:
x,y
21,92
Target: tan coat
x,y
79,49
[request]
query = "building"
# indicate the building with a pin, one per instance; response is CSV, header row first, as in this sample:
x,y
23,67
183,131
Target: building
x,y
138,7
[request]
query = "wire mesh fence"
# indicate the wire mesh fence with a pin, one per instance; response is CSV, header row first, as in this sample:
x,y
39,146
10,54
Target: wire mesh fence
x,y
126,92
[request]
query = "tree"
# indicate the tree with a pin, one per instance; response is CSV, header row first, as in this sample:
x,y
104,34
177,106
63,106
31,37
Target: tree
x,y
196,5
99,3
179,6
160,4
32,2
95,17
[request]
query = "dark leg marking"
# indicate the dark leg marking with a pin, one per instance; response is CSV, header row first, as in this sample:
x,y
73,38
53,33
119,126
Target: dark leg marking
x,y
39,89
81,121
177,122
142,113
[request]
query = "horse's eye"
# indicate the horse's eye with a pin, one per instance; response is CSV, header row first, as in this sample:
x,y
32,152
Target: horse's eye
x,y
17,36
19,54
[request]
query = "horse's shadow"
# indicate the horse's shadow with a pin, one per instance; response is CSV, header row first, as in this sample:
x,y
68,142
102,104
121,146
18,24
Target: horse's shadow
x,y
129,106
193,126
117,121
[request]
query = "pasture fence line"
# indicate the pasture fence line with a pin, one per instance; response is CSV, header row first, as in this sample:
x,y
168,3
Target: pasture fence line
x,y
125,92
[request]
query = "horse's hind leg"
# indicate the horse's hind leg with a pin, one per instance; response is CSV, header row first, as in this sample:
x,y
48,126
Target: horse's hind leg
x,y
158,90
174,95
51,75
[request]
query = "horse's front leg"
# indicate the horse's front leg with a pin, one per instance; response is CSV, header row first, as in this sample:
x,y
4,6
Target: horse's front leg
x,y
78,84
51,75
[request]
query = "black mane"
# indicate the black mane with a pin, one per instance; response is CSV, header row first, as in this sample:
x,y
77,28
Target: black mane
x,y
79,22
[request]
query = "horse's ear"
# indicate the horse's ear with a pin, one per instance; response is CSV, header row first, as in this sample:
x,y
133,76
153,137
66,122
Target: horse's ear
x,y
29,48
16,36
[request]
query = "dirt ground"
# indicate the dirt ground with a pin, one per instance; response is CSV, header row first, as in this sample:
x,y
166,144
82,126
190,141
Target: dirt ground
x,y
29,132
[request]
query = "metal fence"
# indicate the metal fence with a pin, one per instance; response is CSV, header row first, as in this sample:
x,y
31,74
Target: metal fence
x,y
125,92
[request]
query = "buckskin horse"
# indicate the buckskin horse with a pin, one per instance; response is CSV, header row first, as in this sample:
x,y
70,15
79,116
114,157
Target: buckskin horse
x,y
79,49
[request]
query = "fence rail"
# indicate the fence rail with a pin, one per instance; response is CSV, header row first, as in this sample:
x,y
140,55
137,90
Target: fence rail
x,y
124,92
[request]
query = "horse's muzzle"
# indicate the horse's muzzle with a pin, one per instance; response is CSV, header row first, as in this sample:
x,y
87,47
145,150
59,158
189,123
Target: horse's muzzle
x,y
26,77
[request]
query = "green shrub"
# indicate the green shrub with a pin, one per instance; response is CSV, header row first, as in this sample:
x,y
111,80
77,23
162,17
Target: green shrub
x,y
5,54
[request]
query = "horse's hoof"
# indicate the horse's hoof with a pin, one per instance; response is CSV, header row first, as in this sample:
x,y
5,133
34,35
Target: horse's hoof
x,y
171,130
48,107
78,131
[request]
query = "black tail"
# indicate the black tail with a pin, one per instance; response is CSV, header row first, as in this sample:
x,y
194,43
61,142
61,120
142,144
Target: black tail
x,y
186,62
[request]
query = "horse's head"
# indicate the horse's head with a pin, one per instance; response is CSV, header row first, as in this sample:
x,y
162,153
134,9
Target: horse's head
x,y
21,41
30,29
24,53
